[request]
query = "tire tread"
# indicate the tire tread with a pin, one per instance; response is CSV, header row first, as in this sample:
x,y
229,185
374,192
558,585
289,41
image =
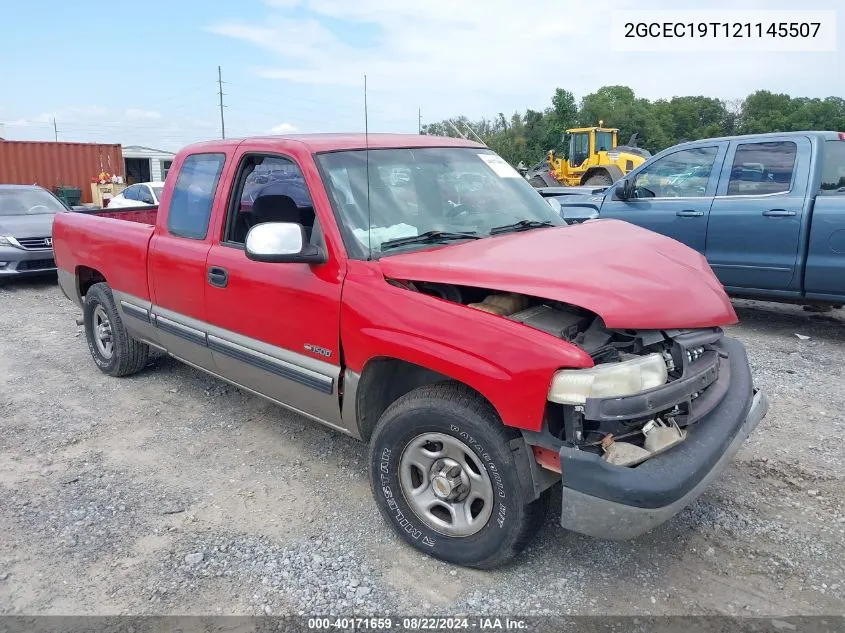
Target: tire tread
x,y
459,396
132,355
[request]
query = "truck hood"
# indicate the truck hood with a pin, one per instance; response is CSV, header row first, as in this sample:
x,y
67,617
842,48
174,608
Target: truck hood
x,y
37,225
631,277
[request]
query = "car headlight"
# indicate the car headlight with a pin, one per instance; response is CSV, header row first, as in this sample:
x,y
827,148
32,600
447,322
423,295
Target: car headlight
x,y
608,380
4,241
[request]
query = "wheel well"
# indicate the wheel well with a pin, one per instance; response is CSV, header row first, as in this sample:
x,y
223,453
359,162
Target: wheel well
x,y
610,170
385,380
87,277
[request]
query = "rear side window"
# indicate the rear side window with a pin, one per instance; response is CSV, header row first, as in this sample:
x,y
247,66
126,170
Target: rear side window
x,y
762,168
193,195
833,168
131,193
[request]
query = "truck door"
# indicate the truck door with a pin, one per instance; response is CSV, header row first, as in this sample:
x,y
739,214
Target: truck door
x,y
275,327
758,214
178,251
672,195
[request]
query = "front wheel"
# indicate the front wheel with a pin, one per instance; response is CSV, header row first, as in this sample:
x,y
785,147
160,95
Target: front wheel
x,y
444,477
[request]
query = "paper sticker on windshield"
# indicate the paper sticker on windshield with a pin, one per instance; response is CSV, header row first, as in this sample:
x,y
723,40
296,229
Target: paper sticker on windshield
x,y
500,166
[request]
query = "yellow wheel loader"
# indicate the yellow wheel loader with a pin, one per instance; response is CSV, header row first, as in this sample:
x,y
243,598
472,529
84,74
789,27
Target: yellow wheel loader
x,y
595,159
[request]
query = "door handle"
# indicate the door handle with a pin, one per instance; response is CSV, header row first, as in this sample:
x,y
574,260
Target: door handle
x,y
218,276
689,213
778,213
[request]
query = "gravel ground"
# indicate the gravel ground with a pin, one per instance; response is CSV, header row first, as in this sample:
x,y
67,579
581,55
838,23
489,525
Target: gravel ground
x,y
172,492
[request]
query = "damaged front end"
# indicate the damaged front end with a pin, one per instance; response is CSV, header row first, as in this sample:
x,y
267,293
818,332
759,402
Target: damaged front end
x,y
646,386
645,389
639,435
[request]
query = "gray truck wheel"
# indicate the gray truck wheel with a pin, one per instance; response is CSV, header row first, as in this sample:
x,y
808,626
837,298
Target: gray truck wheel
x,y
114,351
444,477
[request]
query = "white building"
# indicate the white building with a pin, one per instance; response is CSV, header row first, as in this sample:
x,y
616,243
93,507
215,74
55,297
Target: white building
x,y
145,164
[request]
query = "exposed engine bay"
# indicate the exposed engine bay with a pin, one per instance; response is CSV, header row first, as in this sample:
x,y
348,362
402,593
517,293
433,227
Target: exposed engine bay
x,y
629,429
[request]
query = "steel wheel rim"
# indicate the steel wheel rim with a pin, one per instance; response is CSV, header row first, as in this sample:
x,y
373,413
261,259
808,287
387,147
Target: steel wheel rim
x,y
446,485
102,332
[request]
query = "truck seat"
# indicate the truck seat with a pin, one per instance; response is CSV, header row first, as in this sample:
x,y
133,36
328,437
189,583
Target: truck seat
x,y
277,208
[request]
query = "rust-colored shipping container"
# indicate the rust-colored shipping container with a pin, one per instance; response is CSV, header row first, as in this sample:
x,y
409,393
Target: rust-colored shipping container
x,y
58,164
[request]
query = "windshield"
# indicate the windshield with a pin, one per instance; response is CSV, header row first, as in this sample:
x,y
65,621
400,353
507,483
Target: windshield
x,y
28,202
157,192
414,191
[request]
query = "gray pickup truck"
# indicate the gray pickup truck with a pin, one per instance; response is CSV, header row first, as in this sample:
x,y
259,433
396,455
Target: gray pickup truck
x,y
767,210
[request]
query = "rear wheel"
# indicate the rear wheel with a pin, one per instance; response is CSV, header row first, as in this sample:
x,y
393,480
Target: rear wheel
x,y
114,351
444,477
600,179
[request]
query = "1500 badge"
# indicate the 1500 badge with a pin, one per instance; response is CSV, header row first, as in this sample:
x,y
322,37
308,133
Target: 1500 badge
x,y
322,351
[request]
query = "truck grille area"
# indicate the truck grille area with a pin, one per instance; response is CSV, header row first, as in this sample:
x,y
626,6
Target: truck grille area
x,y
698,379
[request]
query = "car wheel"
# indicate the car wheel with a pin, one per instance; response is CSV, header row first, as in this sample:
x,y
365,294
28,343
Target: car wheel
x,y
444,477
114,351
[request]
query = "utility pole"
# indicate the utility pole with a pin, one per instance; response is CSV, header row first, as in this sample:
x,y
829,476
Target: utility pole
x,y
419,120
55,129
220,92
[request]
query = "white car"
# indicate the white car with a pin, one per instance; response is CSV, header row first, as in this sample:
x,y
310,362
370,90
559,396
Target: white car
x,y
142,194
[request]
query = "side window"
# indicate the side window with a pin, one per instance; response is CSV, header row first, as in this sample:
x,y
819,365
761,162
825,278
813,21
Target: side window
x,y
833,170
269,189
193,195
131,193
762,168
682,174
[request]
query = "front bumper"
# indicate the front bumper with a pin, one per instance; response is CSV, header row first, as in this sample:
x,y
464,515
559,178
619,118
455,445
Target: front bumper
x,y
616,502
19,262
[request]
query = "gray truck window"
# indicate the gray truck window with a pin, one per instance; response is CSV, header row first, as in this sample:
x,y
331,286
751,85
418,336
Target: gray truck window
x,y
682,174
193,195
833,169
762,168
131,193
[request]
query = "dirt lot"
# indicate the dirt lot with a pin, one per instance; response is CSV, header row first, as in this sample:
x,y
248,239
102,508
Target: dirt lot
x,y
172,492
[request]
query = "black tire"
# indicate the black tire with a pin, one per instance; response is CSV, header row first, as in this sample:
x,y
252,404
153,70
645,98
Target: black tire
x,y
601,179
128,355
537,181
451,409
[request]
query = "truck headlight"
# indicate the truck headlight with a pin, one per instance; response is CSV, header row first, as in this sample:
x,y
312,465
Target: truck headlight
x,y
608,380
4,241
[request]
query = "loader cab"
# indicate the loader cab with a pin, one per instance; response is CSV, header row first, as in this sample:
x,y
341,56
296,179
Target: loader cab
x,y
584,143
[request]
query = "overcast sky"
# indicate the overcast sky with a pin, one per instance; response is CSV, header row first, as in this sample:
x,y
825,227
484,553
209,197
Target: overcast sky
x,y
146,72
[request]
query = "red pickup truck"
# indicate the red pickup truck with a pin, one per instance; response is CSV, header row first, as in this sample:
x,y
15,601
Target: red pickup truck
x,y
417,293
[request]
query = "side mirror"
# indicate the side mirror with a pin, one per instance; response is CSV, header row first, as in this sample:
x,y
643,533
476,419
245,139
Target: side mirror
x,y
623,189
554,203
282,242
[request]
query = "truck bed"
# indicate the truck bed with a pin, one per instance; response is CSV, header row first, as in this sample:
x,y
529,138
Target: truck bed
x,y
145,214
113,243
